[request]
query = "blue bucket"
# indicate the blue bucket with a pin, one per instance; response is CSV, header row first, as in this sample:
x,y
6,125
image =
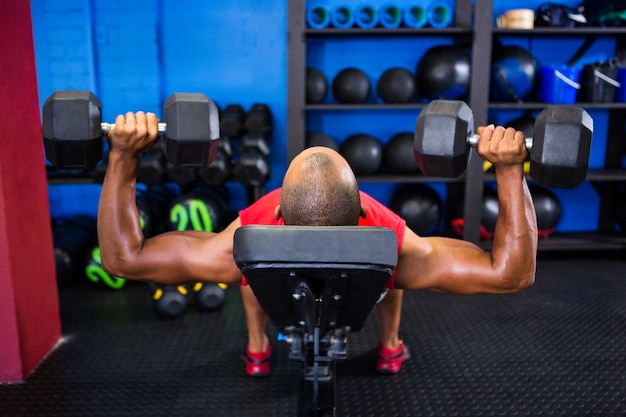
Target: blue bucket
x,y
558,84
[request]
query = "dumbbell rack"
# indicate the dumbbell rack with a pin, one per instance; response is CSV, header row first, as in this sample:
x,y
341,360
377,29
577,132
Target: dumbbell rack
x,y
606,181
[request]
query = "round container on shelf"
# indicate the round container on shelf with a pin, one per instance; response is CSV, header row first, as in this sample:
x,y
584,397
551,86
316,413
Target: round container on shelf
x,y
558,84
598,83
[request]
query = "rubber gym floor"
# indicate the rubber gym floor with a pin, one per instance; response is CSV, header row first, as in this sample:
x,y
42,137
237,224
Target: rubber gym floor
x,y
555,349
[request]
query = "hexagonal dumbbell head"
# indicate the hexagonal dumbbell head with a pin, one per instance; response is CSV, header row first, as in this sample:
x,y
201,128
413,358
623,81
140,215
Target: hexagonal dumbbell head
x,y
252,168
441,138
220,169
232,120
561,146
193,131
72,131
259,120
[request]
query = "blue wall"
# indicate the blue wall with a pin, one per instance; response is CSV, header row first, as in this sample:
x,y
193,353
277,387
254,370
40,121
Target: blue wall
x,y
134,53
235,51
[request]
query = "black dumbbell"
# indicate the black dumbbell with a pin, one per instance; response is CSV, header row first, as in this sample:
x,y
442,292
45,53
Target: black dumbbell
x,y
220,170
258,120
209,296
252,168
151,167
73,129
169,301
184,177
232,120
559,149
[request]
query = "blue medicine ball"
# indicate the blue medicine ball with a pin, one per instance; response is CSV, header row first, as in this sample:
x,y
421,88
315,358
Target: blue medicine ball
x,y
513,73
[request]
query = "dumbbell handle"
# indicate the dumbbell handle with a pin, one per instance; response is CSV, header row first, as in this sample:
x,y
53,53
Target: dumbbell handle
x,y
473,141
106,127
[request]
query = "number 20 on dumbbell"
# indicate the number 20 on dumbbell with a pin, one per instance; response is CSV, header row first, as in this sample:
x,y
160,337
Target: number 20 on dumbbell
x,y
559,149
73,129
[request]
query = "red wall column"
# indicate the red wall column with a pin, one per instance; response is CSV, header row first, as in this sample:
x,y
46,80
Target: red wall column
x,y
29,311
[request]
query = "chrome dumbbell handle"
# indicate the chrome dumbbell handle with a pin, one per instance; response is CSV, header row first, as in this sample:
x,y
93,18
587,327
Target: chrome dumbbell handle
x,y
472,140
106,127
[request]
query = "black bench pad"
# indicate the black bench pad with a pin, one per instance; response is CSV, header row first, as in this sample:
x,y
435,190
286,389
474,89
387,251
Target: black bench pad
x,y
274,258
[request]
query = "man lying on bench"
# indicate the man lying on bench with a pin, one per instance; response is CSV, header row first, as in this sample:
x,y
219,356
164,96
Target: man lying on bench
x,y
320,189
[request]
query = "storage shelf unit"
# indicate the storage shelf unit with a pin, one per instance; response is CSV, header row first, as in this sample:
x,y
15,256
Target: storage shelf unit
x,y
608,180
481,35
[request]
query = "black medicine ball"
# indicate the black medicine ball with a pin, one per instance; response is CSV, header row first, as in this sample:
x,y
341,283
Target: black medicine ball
x,y
491,209
396,85
419,205
488,217
547,208
444,72
363,152
316,86
398,155
351,86
321,139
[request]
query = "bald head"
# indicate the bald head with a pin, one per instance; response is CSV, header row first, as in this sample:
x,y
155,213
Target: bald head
x,y
319,189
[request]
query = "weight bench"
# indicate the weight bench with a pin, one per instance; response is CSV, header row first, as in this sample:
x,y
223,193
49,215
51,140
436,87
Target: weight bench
x,y
316,284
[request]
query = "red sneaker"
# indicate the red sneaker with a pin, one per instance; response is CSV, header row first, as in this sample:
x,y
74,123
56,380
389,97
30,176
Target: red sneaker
x,y
258,363
390,360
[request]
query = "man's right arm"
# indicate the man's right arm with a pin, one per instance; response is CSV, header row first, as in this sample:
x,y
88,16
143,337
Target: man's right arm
x,y
169,258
